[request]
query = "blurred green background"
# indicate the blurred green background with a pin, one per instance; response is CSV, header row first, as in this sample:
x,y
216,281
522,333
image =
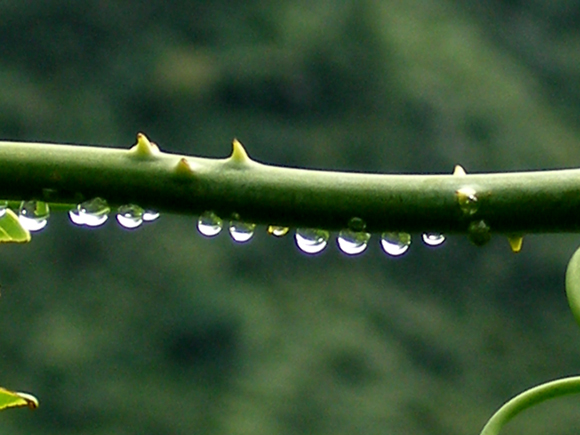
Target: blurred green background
x,y
161,331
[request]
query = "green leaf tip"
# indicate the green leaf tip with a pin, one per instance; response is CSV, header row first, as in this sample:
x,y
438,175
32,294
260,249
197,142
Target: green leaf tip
x,y
143,147
239,154
12,399
11,230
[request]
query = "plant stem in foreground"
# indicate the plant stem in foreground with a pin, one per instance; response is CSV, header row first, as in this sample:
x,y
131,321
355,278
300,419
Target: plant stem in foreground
x,y
531,397
509,203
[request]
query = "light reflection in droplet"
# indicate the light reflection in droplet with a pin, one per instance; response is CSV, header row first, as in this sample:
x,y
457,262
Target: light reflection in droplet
x,y
395,244
91,213
33,215
92,220
241,232
311,241
130,216
209,224
433,239
278,231
150,215
353,242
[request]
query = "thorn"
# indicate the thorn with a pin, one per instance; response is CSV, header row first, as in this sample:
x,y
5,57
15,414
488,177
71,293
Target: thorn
x,y
183,167
144,148
239,154
459,171
516,243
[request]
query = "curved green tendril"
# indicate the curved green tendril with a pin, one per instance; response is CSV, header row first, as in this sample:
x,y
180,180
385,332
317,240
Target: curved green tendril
x,y
548,390
528,398
573,285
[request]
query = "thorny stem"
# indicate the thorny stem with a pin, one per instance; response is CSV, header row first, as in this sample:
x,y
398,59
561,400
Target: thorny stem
x,y
509,203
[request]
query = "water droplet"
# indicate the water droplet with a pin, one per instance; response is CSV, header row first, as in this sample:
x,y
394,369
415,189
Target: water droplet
x,y
209,224
311,241
33,215
516,241
353,242
433,239
467,199
76,217
3,207
91,213
479,232
150,215
395,244
357,224
278,231
130,216
240,231
49,194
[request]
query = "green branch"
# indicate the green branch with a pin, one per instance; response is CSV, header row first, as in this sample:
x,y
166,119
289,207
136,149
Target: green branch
x,y
240,188
512,203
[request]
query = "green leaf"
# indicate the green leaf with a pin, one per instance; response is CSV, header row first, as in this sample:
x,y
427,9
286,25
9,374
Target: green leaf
x,y
11,230
11,399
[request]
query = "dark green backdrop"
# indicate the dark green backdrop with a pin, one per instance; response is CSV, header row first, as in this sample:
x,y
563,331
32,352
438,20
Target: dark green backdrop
x,y
161,331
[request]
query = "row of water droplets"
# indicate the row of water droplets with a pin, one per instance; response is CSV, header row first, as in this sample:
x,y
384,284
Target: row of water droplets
x,y
33,215
352,241
95,212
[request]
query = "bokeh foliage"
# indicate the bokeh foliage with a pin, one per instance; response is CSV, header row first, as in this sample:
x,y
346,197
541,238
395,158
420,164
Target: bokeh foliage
x,y
161,331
